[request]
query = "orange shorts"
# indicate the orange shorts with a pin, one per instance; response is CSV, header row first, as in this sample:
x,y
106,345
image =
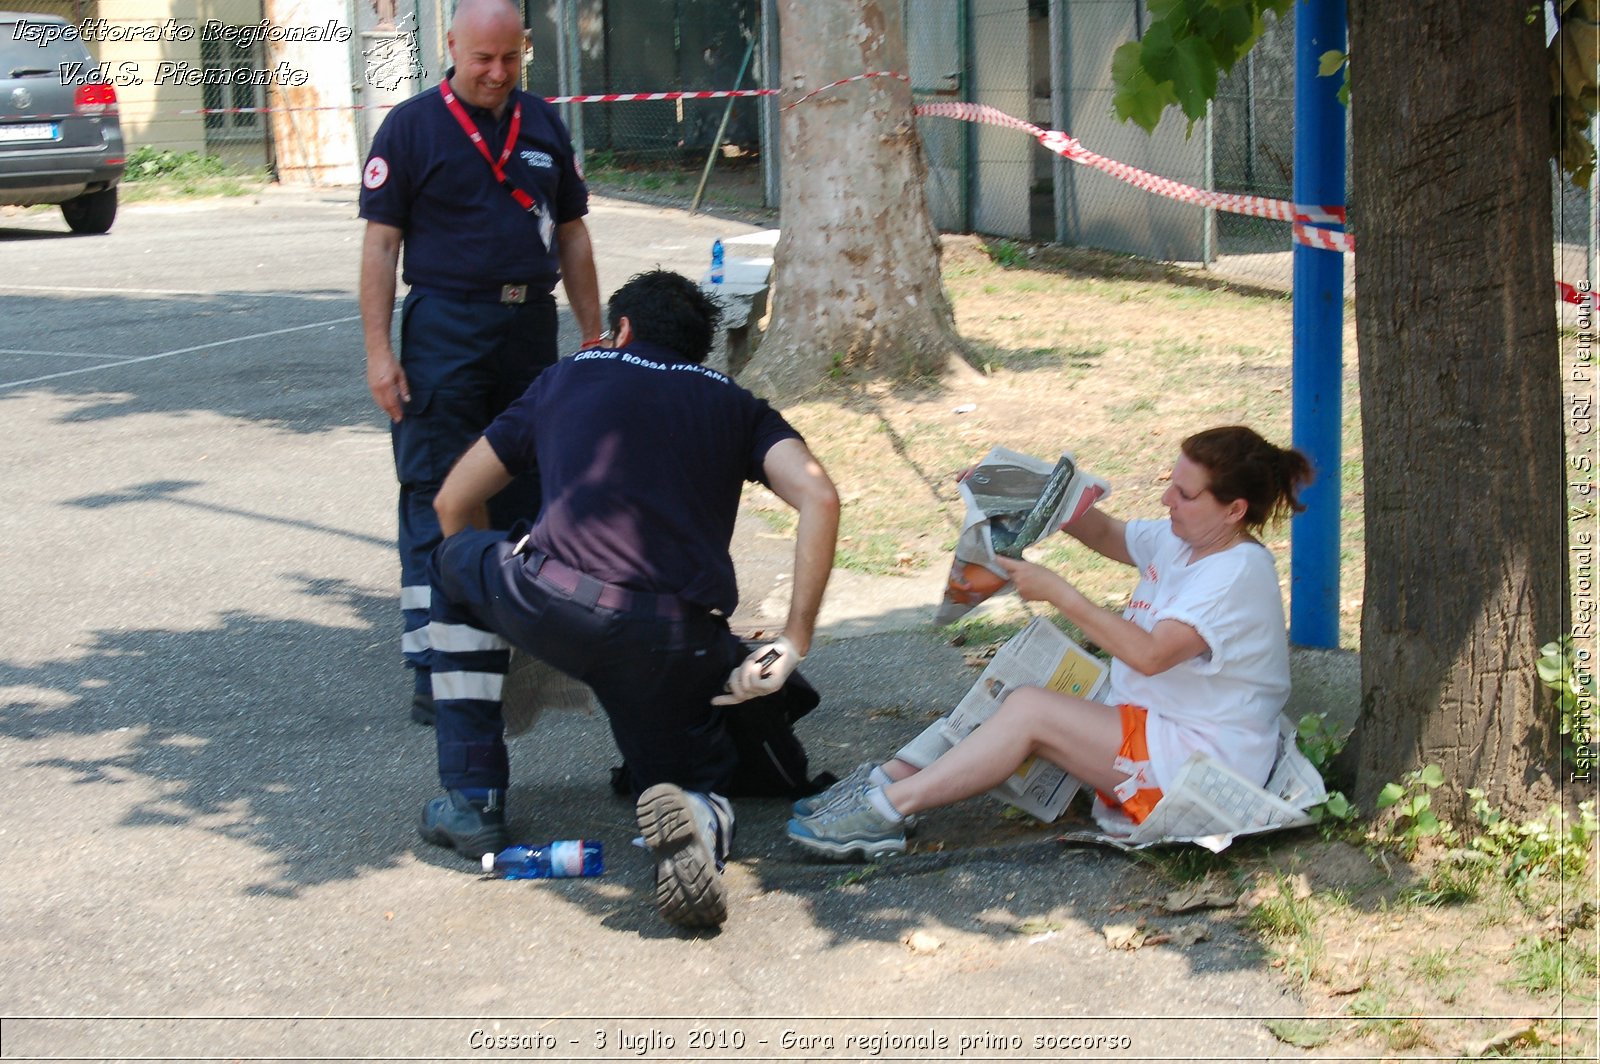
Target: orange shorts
x,y
1137,794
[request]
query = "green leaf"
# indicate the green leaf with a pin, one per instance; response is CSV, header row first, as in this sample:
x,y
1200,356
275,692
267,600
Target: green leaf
x,y
1157,52
1138,97
1432,775
1427,824
1206,19
1391,793
1236,34
1194,76
1338,805
1303,1034
1330,63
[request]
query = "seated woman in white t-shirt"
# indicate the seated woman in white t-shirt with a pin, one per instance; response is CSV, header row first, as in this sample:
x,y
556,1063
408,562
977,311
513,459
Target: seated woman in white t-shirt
x,y
1200,659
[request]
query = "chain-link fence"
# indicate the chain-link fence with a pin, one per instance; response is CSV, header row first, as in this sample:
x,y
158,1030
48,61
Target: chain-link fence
x,y
1251,131
658,149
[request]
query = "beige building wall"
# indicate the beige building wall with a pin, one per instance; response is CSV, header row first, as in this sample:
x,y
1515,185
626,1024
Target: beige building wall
x,y
153,105
155,45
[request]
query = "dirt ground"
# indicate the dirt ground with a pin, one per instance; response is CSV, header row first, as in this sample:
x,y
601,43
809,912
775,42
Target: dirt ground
x,y
1116,361
1116,369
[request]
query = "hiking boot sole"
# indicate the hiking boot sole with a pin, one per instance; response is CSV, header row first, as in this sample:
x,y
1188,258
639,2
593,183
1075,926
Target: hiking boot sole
x,y
861,849
688,886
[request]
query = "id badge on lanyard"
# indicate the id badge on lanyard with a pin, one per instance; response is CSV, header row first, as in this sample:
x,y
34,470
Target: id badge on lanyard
x,y
546,224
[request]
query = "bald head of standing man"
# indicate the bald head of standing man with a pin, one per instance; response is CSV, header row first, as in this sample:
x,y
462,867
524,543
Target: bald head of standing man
x,y
487,42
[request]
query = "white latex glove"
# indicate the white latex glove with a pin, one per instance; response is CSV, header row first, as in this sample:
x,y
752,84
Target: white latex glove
x,y
762,673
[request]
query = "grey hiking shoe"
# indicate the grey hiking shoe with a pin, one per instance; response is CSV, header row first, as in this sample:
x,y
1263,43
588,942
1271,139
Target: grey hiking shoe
x,y
857,780
850,826
468,827
689,834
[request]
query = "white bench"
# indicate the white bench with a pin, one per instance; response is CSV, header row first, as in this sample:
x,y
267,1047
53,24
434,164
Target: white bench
x,y
746,280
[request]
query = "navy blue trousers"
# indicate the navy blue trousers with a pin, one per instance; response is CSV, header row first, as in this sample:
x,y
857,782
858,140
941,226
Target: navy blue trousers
x,y
653,675
465,363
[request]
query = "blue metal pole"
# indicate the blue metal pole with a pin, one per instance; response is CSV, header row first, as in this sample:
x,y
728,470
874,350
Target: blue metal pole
x,y
1319,160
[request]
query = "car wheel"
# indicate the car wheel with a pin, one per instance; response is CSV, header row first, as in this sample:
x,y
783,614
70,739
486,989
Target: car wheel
x,y
92,212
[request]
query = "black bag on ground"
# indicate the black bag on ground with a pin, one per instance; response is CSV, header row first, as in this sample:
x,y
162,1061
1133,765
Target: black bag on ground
x,y
772,761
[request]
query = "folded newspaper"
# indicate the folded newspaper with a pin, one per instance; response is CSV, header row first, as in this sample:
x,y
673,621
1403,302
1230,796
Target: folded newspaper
x,y
1012,500
1040,655
1208,803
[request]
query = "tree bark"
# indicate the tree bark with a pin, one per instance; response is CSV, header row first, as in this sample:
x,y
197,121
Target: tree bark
x,y
857,284
1461,400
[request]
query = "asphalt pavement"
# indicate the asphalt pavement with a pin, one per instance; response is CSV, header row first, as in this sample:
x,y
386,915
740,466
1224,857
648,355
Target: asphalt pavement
x,y
209,782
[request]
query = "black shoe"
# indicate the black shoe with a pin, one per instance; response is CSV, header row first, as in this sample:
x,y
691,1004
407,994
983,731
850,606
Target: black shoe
x,y
422,709
470,828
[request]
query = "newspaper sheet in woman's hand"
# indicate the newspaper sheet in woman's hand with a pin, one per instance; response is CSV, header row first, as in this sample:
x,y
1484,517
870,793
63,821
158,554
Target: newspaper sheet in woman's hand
x,y
1013,500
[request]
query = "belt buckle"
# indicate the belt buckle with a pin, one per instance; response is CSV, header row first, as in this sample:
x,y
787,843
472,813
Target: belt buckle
x,y
513,293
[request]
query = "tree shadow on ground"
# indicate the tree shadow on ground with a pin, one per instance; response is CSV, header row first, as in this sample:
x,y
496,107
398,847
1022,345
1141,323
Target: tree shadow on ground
x,y
259,729
292,361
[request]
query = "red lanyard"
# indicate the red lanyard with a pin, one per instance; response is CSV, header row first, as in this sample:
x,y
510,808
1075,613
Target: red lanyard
x,y
525,201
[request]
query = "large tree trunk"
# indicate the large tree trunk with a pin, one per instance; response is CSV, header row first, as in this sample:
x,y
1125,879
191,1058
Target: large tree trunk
x,y
1460,396
857,281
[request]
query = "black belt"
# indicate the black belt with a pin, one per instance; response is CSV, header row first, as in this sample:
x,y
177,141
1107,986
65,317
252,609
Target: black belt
x,y
506,293
587,591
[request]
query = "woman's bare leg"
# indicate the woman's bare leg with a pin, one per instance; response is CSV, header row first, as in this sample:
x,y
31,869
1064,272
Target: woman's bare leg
x,y
1080,736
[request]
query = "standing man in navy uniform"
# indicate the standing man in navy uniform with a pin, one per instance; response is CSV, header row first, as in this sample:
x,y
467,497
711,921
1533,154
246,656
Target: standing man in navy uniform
x,y
477,180
624,581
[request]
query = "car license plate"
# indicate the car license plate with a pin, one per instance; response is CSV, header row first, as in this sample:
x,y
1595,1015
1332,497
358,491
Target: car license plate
x,y
30,131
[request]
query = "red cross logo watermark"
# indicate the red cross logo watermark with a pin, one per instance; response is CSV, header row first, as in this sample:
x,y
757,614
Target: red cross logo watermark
x,y
376,173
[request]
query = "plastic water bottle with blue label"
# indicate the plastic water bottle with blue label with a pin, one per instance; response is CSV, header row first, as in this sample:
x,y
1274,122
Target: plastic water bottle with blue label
x,y
716,262
559,860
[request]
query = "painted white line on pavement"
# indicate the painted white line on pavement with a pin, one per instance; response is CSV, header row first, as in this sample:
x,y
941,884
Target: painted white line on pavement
x,y
314,297
53,354
179,351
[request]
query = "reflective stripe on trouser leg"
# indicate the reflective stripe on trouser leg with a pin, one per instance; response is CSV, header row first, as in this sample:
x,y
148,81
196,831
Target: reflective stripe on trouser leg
x,y
418,536
469,668
467,711
414,643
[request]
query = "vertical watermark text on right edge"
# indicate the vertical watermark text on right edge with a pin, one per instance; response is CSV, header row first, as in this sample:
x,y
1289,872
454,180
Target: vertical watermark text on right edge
x,y
1583,529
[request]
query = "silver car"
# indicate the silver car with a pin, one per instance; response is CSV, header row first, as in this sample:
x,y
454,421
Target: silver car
x,y
60,137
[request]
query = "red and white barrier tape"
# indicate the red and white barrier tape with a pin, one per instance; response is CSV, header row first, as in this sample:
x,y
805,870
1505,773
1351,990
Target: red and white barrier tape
x,y
1570,294
629,97
845,81
1307,219
604,97
1327,239
1071,148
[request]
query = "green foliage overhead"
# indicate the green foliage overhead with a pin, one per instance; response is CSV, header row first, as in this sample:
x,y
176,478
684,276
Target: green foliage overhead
x,y
1190,42
1574,59
1187,44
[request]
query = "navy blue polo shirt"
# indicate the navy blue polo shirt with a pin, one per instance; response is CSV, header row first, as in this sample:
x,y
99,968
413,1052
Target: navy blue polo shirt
x,y
641,460
463,231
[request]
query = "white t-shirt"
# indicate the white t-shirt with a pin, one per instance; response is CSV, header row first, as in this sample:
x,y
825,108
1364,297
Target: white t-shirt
x,y
1224,703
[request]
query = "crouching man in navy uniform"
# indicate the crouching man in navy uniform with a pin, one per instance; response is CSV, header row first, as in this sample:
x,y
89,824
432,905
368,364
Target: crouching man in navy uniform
x,y
477,180
624,581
